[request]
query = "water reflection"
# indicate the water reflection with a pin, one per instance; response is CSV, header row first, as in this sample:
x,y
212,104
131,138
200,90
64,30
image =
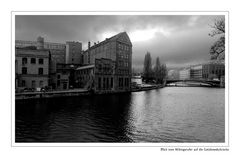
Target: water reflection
x,y
95,119
166,115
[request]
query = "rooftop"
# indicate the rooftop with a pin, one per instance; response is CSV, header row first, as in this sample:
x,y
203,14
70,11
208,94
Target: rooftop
x,y
85,67
115,37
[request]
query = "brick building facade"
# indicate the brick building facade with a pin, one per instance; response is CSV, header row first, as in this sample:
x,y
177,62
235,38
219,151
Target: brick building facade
x,y
116,52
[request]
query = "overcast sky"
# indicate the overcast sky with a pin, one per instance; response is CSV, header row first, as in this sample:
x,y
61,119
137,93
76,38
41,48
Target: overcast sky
x,y
178,40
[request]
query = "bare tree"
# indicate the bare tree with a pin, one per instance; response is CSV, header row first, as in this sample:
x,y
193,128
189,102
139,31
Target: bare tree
x,y
217,50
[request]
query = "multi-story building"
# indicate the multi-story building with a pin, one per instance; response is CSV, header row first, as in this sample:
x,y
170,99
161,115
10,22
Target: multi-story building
x,y
73,52
60,54
32,68
196,72
58,50
113,57
69,53
98,76
213,70
184,74
173,74
210,70
84,77
64,77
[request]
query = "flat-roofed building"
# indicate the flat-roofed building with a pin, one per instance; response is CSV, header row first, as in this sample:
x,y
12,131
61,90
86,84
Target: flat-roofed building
x,y
64,77
69,53
214,70
184,74
57,50
84,77
32,68
209,70
196,72
73,52
99,77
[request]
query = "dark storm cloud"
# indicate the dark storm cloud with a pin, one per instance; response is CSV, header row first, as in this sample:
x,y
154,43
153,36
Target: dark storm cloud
x,y
179,40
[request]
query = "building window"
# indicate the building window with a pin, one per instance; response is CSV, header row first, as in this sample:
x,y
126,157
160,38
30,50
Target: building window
x,y
127,82
40,61
107,83
111,82
99,82
40,83
65,85
24,70
104,81
120,82
40,71
33,84
33,60
58,76
23,83
58,83
24,60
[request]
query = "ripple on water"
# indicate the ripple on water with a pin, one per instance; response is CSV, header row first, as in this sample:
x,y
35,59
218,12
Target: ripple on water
x,y
171,114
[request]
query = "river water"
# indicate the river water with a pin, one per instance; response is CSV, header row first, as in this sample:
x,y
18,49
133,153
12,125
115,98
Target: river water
x,y
170,114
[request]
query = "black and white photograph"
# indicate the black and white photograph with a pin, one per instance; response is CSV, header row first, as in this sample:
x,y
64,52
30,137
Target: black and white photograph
x,y
120,78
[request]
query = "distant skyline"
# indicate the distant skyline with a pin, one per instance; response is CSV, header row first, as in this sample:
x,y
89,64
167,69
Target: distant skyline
x,y
178,40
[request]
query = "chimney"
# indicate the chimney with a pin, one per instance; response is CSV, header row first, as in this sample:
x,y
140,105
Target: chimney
x,y
89,45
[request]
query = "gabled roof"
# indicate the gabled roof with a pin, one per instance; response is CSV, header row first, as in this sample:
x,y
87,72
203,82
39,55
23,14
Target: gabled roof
x,y
121,37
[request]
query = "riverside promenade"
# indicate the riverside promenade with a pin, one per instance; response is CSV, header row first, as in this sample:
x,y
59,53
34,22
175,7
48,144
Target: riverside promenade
x,y
76,92
50,94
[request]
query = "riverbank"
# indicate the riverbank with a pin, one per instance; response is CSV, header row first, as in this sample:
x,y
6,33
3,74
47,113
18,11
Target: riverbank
x,y
166,115
77,92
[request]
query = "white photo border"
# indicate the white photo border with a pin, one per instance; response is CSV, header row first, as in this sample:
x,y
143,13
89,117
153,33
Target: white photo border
x,y
50,144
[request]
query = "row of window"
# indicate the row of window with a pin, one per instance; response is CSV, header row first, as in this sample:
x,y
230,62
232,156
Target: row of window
x,y
123,82
105,83
102,48
51,46
32,61
25,71
123,55
23,84
123,64
222,72
123,47
123,71
85,71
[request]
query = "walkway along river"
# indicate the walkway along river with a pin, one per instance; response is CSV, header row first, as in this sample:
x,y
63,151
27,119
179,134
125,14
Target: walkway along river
x,y
170,114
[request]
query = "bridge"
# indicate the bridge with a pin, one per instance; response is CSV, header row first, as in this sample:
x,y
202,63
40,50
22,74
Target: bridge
x,y
212,83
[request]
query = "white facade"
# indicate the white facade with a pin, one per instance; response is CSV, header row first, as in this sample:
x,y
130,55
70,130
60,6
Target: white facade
x,y
184,74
